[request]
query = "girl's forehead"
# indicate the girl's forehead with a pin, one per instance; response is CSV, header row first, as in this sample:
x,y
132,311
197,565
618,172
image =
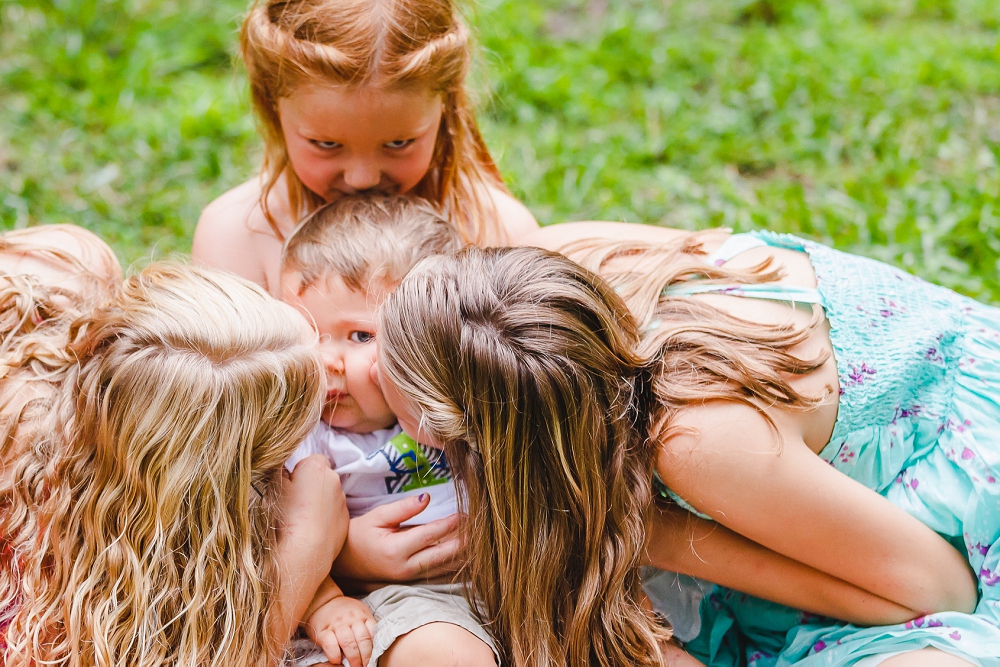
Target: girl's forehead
x,y
368,97
339,113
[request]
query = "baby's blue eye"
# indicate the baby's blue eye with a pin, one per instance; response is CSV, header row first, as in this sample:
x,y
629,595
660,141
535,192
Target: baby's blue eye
x,y
324,144
361,337
399,143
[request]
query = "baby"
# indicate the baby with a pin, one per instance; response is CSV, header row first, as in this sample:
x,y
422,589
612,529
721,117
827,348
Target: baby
x,y
337,267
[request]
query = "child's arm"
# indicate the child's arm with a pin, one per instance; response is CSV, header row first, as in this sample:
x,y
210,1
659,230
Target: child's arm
x,y
314,530
342,626
557,237
772,489
681,542
229,234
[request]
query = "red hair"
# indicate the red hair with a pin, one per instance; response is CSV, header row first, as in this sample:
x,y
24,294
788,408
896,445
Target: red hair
x,y
289,43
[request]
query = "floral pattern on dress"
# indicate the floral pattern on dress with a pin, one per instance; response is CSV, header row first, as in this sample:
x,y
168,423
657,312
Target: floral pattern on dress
x,y
919,422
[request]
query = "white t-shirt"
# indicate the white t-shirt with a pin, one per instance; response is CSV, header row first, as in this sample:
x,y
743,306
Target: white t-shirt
x,y
383,467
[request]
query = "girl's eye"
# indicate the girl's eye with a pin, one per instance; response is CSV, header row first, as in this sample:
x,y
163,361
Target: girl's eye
x,y
324,144
361,337
399,143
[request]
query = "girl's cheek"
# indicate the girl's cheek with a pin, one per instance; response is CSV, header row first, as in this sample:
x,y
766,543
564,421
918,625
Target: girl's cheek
x,y
306,161
311,165
415,167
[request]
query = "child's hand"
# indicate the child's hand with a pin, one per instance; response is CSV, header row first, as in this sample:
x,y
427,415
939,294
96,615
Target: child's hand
x,y
343,628
378,549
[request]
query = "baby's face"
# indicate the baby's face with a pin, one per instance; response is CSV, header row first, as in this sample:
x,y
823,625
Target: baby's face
x,y
344,320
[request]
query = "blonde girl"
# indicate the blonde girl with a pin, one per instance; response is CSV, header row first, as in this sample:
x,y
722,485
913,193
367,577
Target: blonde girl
x,y
145,520
822,429
356,96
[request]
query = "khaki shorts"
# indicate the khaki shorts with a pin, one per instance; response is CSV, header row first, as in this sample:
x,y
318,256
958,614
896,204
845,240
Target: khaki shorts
x,y
399,610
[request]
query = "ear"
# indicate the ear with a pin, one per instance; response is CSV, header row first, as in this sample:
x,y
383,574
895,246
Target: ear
x,y
375,375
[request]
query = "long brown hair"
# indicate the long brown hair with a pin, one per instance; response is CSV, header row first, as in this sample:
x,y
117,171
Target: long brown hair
x,y
523,364
139,500
698,352
286,44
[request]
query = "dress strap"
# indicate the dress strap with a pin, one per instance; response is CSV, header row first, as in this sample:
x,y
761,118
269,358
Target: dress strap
x,y
734,245
665,492
730,248
769,291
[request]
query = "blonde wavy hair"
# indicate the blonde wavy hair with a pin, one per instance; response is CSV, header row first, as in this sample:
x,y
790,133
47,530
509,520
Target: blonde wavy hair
x,y
35,313
139,497
522,363
286,44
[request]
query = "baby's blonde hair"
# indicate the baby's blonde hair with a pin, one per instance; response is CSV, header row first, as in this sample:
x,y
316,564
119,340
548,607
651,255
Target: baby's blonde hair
x,y
397,44
139,501
366,240
522,363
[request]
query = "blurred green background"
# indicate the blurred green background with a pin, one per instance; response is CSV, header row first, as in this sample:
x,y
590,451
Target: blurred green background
x,y
873,125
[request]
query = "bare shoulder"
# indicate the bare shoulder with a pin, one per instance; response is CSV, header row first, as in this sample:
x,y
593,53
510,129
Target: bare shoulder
x,y
227,231
558,236
517,221
720,427
233,211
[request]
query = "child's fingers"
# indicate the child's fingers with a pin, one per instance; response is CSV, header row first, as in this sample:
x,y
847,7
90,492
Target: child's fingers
x,y
390,515
349,647
434,532
438,559
327,641
363,633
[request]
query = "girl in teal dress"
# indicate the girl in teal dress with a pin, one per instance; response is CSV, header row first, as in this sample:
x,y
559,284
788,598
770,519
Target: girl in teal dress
x,y
824,431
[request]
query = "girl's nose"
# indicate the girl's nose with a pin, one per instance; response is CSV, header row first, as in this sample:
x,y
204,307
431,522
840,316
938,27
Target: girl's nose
x,y
362,175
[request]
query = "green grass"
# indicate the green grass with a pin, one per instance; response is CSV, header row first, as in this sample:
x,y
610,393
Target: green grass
x,y
873,125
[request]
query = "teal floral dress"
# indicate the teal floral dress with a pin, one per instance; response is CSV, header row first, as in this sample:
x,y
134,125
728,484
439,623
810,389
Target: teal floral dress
x,y
919,422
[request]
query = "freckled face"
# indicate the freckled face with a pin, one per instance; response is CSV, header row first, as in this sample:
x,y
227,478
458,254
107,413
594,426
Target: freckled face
x,y
343,140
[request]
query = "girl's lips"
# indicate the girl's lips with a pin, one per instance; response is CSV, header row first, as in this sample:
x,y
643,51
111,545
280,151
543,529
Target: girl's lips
x,y
335,395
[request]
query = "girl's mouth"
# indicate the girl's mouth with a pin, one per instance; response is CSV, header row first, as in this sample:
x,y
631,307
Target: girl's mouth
x,y
335,395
